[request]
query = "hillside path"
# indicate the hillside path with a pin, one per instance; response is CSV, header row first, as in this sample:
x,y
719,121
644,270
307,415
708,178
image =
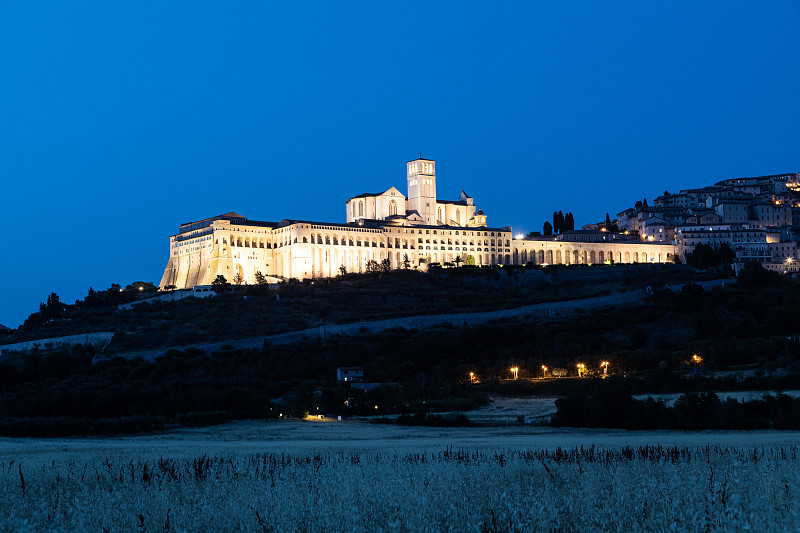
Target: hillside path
x,y
546,309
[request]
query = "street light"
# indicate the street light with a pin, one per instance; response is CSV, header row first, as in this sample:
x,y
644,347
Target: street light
x,y
581,369
544,371
604,364
515,372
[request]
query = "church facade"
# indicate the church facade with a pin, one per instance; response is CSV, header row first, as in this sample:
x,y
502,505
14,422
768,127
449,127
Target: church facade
x,y
405,231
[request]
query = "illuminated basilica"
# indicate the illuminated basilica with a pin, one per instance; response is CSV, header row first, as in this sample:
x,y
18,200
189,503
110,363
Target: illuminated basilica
x,y
386,227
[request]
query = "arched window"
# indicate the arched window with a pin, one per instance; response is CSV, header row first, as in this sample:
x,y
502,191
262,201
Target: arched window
x,y
392,208
458,217
361,209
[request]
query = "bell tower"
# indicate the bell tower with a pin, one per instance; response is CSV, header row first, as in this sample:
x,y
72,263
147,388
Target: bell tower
x,y
421,176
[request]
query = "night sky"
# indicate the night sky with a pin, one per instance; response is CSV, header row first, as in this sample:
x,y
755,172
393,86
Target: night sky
x,y
118,123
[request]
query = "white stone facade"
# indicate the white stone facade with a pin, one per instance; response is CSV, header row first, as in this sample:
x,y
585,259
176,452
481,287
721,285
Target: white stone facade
x,y
421,231
421,207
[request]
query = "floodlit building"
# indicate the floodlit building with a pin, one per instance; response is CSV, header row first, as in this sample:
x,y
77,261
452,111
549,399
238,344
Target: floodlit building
x,y
382,230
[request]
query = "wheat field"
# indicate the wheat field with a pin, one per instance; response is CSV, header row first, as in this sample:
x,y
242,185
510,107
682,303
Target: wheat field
x,y
405,482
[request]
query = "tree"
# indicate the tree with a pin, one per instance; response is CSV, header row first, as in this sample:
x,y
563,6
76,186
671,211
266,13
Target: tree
x,y
406,262
386,265
53,309
260,278
470,261
238,279
704,256
547,229
372,266
92,299
141,287
457,260
569,222
342,270
725,254
219,283
607,223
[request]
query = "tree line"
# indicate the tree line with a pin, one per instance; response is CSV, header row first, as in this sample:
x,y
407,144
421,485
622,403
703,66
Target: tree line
x,y
53,308
561,223
611,405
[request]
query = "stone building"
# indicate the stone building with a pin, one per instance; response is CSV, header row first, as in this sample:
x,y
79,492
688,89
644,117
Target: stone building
x,y
385,227
421,206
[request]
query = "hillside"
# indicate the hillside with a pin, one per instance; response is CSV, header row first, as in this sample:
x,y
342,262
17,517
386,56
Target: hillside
x,y
651,343
292,307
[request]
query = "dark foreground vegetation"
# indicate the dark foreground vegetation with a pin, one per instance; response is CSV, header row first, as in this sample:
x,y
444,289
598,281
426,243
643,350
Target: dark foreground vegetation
x,y
751,327
611,405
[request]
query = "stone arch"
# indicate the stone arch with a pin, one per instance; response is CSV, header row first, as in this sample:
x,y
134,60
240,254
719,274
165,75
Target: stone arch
x,y
575,259
558,257
592,257
305,239
627,257
635,257
584,258
600,256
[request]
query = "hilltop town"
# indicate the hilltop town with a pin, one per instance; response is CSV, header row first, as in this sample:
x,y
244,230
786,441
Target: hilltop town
x,y
757,218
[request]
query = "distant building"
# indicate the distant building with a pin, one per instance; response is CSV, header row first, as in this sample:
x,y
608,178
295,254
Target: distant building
x,y
352,374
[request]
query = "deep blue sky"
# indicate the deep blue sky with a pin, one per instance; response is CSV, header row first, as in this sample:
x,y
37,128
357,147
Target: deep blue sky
x,y
118,123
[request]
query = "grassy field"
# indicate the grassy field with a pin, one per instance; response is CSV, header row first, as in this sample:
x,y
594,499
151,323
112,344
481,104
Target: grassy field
x,y
295,476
